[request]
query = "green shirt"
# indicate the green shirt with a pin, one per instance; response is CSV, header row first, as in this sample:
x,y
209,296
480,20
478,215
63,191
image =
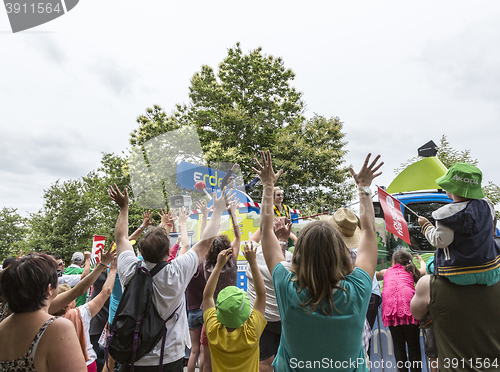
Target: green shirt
x,y
77,271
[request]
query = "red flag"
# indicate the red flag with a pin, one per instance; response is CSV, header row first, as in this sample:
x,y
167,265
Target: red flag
x,y
394,221
97,247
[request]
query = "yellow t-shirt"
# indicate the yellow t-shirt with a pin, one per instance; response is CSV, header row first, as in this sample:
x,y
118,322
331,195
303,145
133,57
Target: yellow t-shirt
x,y
238,350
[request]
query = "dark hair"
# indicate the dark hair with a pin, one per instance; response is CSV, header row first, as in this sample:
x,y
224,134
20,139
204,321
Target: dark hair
x,y
405,259
24,283
155,245
320,261
220,243
7,262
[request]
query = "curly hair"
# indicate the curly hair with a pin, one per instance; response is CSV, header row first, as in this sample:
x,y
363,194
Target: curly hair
x,y
320,261
220,243
405,259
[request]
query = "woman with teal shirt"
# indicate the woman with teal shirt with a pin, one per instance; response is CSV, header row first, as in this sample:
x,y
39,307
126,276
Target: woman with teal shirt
x,y
322,301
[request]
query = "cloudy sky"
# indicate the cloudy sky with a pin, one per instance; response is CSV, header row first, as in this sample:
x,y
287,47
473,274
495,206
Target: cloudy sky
x,y
396,73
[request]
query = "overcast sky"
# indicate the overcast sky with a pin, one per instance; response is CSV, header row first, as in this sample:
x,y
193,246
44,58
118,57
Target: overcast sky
x,y
397,74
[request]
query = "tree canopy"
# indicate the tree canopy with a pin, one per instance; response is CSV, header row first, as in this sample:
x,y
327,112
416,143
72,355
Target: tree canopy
x,y
249,105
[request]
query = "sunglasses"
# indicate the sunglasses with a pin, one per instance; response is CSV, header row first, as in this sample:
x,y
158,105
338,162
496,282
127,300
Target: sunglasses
x,y
60,264
280,194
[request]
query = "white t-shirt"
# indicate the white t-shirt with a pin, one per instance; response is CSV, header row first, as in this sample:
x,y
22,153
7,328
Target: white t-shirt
x,y
271,314
71,280
169,286
86,317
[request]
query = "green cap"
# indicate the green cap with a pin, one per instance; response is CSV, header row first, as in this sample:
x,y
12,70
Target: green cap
x,y
233,307
464,180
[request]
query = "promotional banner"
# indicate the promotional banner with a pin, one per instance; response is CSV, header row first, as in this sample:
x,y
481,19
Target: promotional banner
x,y
394,221
189,174
97,247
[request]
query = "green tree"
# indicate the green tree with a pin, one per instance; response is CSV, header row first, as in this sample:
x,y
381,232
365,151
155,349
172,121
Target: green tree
x,y
75,210
449,156
12,232
248,105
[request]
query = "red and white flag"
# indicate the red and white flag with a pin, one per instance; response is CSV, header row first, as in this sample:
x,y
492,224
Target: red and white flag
x,y
394,221
97,247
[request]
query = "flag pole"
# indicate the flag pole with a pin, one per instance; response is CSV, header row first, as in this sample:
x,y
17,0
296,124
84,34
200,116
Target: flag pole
x,y
404,205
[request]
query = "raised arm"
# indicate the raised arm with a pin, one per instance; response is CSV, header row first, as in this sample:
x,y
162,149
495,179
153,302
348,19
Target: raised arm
x,y
231,208
167,220
208,292
213,225
183,216
83,285
86,266
121,229
367,247
96,304
270,245
147,221
229,173
250,254
204,211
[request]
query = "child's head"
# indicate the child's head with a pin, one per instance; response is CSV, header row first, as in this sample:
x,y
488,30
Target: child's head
x,y
233,307
220,243
404,258
463,180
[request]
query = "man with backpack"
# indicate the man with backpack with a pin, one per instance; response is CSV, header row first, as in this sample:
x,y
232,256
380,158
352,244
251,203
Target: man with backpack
x,y
169,285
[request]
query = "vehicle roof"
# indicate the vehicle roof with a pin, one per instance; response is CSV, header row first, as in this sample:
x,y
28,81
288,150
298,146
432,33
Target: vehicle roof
x,y
419,197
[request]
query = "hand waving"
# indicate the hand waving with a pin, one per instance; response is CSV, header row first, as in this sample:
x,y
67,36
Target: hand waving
x,y
265,170
367,172
120,199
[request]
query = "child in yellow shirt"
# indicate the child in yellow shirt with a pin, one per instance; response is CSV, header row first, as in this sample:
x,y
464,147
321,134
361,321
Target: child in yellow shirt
x,y
234,329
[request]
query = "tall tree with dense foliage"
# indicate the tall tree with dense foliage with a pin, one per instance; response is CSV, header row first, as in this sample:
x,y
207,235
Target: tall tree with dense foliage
x,y
13,232
249,105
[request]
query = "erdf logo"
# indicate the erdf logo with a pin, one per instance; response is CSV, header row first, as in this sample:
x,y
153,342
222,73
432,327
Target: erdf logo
x,y
25,14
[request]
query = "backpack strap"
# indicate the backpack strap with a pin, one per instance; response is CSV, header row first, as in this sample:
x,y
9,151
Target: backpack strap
x,y
165,335
158,267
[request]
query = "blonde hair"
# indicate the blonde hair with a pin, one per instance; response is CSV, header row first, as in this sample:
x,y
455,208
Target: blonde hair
x,y
276,188
62,288
320,261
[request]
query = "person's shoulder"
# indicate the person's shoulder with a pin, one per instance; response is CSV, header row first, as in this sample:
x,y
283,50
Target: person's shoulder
x,y
360,274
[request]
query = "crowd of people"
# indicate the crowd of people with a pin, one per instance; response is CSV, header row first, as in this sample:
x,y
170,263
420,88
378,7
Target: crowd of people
x,y
313,309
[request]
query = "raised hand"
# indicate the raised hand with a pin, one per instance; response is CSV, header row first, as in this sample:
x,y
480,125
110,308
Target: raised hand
x,y
86,255
114,264
265,170
233,204
282,229
120,199
221,202
107,257
234,167
147,219
223,256
202,205
367,172
250,251
183,213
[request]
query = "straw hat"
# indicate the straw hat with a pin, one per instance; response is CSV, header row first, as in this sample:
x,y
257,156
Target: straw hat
x,y
346,223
